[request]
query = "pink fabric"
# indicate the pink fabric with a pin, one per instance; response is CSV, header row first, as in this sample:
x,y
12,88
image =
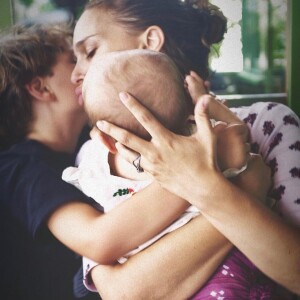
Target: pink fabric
x,y
237,279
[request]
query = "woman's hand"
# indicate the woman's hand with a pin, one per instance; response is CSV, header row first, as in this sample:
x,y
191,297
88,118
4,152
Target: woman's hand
x,y
232,133
169,158
106,140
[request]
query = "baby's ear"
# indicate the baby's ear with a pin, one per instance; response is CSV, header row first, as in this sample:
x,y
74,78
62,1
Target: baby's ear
x,y
153,38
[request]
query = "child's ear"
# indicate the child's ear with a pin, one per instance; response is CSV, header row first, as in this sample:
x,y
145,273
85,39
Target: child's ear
x,y
153,38
38,89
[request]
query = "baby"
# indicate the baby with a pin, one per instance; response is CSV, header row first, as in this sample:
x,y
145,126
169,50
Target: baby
x,y
153,78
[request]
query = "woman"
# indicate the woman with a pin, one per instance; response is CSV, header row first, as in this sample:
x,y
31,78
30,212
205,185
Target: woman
x,y
40,123
185,30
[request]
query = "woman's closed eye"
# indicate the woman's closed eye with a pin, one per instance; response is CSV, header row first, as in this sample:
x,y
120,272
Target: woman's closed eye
x,y
91,53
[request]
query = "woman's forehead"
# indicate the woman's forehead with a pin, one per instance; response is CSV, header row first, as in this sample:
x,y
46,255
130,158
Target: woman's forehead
x,y
90,23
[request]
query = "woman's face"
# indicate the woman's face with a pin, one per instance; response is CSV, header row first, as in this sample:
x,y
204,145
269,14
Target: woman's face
x,y
96,33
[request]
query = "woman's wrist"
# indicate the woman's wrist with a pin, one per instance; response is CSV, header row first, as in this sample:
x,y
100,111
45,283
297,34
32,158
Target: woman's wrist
x,y
206,190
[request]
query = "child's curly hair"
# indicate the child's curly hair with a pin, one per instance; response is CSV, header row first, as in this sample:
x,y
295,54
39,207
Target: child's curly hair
x,y
25,53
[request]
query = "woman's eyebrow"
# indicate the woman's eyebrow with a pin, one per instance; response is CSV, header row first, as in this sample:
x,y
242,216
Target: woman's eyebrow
x,y
81,42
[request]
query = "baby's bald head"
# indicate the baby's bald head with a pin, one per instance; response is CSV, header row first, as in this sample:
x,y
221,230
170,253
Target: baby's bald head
x,y
149,76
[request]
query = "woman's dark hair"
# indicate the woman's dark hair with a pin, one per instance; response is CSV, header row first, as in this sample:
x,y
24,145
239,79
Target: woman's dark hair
x,y
190,26
25,53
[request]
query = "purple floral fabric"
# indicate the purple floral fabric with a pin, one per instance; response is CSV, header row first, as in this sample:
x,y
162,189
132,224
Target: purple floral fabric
x,y
275,134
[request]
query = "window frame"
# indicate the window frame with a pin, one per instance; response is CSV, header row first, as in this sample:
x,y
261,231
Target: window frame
x,y
291,98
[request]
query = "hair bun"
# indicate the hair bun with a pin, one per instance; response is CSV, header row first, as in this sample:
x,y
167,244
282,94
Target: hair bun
x,y
197,4
214,20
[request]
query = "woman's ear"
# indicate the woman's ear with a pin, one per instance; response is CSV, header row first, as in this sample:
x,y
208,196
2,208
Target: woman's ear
x,y
38,89
153,38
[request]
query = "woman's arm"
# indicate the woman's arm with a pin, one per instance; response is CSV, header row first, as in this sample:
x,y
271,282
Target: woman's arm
x,y
175,267
181,262
268,241
132,224
106,237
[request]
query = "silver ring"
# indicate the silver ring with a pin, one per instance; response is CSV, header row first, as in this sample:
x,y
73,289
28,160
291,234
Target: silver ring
x,y
137,164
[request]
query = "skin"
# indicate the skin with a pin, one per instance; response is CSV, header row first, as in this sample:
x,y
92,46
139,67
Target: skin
x,y
96,33
92,37
56,107
165,150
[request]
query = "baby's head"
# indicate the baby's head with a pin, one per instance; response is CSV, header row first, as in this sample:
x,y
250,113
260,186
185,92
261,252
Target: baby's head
x,y
149,76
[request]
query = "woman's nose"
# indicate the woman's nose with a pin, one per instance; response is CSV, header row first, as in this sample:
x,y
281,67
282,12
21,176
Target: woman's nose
x,y
77,75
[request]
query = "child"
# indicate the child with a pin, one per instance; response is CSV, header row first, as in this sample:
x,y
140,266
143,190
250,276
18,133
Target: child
x,y
152,78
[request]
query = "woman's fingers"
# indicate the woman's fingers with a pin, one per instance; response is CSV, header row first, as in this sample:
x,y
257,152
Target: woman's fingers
x,y
221,112
201,115
123,136
196,86
233,148
204,127
106,140
95,133
143,115
127,153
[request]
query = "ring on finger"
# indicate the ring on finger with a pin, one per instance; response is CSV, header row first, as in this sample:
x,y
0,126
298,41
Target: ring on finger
x,y
137,164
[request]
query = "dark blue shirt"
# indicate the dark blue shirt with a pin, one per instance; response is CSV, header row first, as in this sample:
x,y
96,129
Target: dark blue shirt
x,y
34,265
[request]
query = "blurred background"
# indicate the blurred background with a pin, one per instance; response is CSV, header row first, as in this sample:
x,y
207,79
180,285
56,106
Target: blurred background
x,y
257,61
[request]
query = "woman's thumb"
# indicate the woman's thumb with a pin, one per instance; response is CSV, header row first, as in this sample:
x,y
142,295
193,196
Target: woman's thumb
x,y
201,114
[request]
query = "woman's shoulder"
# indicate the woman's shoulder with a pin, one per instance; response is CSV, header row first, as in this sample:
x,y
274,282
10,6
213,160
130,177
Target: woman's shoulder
x,y
264,110
273,127
270,122
275,134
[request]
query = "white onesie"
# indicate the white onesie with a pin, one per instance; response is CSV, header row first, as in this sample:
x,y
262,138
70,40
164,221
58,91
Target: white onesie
x,y
92,176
